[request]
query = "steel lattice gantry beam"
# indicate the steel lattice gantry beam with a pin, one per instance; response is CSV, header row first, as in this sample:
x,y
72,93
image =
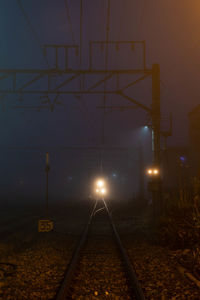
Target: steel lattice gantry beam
x,y
62,82
65,80
57,82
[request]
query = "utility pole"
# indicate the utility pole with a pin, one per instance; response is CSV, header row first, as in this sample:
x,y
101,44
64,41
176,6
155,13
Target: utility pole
x,y
156,116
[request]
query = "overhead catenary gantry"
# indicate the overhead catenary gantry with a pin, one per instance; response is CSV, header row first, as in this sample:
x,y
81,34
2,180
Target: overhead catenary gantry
x,y
61,78
24,81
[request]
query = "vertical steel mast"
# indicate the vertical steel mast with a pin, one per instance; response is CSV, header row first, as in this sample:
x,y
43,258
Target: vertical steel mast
x,y
156,117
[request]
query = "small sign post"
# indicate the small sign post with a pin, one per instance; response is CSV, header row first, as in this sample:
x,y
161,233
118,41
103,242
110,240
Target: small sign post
x,y
46,225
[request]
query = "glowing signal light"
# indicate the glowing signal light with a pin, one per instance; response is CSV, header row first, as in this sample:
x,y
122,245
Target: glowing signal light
x,y
153,172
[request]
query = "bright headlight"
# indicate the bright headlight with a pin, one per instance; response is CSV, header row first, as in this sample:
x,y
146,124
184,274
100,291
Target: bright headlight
x,y
100,183
103,191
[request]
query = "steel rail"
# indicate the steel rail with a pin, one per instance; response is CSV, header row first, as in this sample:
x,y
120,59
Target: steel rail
x,y
129,267
134,283
61,295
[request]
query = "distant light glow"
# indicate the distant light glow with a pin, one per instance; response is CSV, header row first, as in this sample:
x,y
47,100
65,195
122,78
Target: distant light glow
x,y
103,191
183,158
100,183
146,127
114,175
100,187
153,172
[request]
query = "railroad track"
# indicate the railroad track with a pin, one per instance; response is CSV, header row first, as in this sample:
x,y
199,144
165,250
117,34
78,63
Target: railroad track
x,y
99,267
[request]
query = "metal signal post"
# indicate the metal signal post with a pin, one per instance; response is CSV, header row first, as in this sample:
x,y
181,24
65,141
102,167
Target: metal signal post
x,y
47,169
45,224
156,116
156,112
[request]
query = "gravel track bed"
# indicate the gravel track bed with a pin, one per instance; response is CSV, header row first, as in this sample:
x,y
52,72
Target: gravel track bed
x,y
100,273
38,269
156,267
32,265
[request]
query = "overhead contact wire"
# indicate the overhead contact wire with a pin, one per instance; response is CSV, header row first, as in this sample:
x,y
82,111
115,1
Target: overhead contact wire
x,y
82,105
69,21
81,32
105,85
32,30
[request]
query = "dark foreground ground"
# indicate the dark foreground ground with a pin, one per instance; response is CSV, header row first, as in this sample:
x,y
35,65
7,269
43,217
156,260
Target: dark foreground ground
x,y
32,264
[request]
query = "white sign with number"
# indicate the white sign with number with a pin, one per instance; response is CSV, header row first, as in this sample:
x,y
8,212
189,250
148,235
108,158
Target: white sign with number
x,y
45,225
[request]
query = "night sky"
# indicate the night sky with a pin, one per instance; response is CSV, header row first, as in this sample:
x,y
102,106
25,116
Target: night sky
x,y
171,31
